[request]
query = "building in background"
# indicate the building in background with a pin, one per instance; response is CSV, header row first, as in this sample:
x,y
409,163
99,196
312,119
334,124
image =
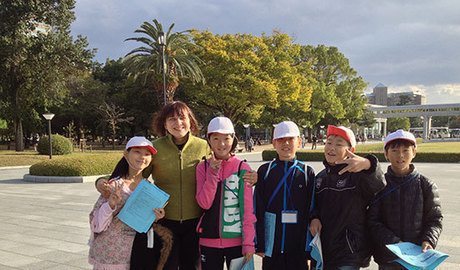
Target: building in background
x,y
380,96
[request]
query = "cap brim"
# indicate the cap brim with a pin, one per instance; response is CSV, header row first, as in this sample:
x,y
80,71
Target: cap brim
x,y
405,139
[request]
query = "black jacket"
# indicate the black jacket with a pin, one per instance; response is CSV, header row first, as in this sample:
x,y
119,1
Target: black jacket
x,y
407,210
293,235
341,206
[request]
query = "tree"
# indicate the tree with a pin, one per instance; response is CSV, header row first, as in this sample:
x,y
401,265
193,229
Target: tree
x,y
338,91
146,62
114,116
249,79
396,123
38,54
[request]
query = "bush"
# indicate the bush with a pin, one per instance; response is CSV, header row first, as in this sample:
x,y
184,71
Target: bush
x,y
81,165
420,157
61,145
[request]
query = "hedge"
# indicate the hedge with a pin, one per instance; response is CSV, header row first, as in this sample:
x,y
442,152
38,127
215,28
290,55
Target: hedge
x,y
60,144
420,157
81,165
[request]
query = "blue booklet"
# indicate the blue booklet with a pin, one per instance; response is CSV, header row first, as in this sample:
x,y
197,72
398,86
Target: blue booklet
x,y
240,264
316,251
411,256
270,225
137,212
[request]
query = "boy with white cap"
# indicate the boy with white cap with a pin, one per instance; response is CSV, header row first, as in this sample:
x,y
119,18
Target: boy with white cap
x,y
283,196
343,191
408,209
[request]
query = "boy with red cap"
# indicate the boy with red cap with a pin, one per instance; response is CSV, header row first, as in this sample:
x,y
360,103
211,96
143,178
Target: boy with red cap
x,y
408,209
343,192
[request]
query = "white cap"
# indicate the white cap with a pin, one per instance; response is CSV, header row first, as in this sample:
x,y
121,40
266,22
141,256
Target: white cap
x,y
343,132
221,125
286,129
140,141
400,135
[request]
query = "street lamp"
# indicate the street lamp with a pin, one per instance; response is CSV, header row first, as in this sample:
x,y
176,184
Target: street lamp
x,y
162,43
49,116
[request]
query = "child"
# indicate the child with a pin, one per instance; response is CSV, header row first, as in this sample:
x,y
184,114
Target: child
x,y
408,209
284,191
343,192
226,228
110,246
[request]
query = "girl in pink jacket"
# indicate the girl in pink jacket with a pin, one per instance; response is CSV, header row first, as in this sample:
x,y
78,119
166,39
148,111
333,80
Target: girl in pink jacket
x,y
226,228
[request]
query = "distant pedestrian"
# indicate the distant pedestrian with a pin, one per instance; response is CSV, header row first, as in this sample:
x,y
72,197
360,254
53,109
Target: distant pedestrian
x,y
314,140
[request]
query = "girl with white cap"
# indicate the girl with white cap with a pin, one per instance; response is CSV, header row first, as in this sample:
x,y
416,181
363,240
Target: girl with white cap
x,y
226,227
111,239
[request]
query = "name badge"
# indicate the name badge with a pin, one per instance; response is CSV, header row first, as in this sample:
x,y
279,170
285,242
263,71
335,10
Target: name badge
x,y
289,216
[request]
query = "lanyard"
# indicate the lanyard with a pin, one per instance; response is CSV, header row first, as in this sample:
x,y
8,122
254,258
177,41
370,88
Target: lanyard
x,y
280,184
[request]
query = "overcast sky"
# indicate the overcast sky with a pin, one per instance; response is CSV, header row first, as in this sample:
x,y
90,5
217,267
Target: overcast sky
x,y
404,44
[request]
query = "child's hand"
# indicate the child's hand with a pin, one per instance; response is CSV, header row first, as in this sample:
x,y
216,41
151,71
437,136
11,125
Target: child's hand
x,y
261,254
426,246
115,195
250,177
247,257
159,213
103,187
315,226
214,163
355,163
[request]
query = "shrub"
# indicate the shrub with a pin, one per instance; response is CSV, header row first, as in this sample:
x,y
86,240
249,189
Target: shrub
x,y
60,144
420,157
77,165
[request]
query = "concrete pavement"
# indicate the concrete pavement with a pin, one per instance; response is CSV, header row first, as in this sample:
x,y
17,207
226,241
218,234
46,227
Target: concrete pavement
x,y
45,225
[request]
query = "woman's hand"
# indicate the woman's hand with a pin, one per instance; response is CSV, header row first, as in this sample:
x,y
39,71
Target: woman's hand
x,y
250,177
261,254
159,213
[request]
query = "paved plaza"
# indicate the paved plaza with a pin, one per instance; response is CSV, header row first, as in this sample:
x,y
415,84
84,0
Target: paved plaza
x,y
45,225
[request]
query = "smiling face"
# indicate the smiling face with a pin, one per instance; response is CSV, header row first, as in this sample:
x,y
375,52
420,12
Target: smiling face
x,y
221,145
138,159
286,147
178,126
400,157
336,149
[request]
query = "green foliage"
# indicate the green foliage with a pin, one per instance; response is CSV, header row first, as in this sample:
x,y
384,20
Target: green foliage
x,y
35,64
91,164
338,91
60,145
396,123
420,157
249,79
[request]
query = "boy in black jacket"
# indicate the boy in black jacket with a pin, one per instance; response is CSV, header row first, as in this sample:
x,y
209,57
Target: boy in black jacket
x,y
343,192
283,195
408,209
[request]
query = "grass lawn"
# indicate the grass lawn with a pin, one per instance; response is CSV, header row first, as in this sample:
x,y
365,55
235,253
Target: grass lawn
x,y
12,158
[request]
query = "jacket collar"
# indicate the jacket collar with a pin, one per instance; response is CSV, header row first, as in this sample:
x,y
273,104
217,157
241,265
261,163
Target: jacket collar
x,y
413,173
170,138
333,169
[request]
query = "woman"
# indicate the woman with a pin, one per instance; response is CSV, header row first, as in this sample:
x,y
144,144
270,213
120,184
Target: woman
x,y
173,170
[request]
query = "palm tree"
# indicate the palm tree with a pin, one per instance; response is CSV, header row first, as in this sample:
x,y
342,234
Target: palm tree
x,y
145,63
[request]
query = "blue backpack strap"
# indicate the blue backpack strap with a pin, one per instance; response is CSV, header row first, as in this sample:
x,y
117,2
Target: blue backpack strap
x,y
269,168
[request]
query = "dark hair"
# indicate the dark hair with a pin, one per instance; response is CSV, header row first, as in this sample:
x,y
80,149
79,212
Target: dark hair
x,y
178,108
234,145
121,169
397,143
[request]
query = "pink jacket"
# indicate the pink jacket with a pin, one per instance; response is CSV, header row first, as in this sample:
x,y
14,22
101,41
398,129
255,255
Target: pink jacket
x,y
218,194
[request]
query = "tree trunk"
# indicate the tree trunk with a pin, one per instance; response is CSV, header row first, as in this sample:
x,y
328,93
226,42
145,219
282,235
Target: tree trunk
x,y
18,134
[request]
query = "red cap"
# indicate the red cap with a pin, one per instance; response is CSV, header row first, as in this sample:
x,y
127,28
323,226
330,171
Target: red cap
x,y
343,132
